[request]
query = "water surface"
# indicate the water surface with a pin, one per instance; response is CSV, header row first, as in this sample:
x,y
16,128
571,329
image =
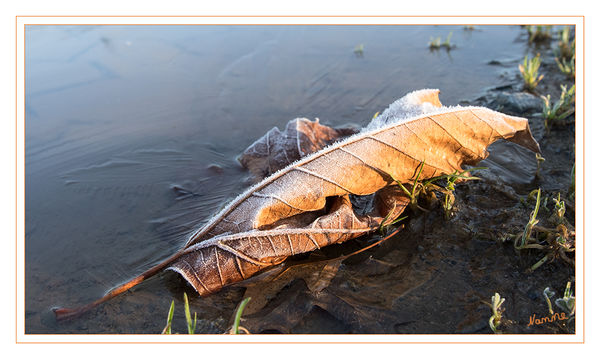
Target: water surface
x,y
132,134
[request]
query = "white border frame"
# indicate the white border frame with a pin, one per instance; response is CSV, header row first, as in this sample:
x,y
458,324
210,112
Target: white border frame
x,y
21,337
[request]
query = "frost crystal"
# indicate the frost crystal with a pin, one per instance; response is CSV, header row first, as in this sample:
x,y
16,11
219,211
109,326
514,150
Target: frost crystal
x,y
409,106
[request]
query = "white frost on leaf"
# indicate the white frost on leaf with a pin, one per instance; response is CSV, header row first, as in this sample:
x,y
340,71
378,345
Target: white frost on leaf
x,y
409,106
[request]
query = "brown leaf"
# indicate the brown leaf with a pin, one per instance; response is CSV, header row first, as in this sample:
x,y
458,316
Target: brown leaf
x,y
390,202
363,163
301,137
321,279
411,105
287,213
230,258
360,165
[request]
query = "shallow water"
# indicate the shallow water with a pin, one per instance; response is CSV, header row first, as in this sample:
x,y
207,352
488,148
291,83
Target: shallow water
x,y
132,134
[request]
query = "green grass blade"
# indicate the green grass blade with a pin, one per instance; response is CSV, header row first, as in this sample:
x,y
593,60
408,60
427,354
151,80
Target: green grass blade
x,y
456,175
404,189
537,206
167,329
188,317
568,292
195,322
398,220
547,295
539,263
412,194
238,316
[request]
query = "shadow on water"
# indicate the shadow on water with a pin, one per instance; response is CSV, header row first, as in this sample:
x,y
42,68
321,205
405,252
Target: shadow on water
x,y
131,138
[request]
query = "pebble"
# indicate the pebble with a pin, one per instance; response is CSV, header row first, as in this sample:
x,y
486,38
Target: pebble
x,y
516,103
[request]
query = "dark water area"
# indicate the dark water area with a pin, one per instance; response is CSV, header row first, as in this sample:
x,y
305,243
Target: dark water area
x,y
132,134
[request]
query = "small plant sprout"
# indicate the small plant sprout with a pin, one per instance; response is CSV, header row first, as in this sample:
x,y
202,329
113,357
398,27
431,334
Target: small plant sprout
x,y
559,209
496,317
572,185
188,317
539,159
359,50
446,43
419,188
547,295
448,204
436,43
565,66
385,224
565,55
236,328
560,110
191,325
556,242
526,236
559,242
167,329
539,33
566,47
416,188
448,189
529,71
567,302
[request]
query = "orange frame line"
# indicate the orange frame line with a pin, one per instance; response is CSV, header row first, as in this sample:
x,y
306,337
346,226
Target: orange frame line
x,y
292,16
281,24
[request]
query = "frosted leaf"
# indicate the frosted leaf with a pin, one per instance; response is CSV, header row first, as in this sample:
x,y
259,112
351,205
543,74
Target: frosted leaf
x,y
364,163
267,223
411,105
275,150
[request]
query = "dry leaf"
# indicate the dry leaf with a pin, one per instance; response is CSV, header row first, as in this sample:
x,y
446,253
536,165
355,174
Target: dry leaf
x,y
322,278
301,137
362,165
412,105
209,265
287,213
359,165
390,202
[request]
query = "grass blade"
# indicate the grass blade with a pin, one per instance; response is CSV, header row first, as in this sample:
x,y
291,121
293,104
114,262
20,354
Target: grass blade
x,y
167,329
238,316
188,317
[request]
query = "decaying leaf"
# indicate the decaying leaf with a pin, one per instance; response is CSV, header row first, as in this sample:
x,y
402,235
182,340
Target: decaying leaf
x,y
391,201
306,204
321,279
276,149
301,137
362,164
414,104
209,265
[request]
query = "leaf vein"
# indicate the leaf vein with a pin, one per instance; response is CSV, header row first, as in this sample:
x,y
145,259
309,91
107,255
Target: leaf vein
x,y
302,169
193,271
402,152
452,136
241,255
217,260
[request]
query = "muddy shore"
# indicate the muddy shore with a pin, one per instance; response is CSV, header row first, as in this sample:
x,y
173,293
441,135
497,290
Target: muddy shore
x,y
437,274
